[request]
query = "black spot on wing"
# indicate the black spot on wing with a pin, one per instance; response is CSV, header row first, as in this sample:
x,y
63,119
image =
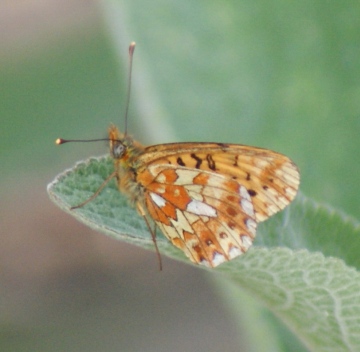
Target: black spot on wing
x,y
252,192
198,160
236,160
211,162
180,161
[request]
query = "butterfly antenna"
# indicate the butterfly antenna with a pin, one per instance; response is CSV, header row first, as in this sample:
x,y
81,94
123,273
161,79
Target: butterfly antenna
x,y
131,54
63,141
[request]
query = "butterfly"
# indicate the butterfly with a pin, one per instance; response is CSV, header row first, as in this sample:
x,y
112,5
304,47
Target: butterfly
x,y
206,198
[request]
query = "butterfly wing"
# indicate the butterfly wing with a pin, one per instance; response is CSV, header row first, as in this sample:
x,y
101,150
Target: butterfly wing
x,y
207,198
271,179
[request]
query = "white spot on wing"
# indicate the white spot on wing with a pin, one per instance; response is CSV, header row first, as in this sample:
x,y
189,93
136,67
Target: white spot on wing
x,y
181,223
246,241
218,259
244,193
251,225
185,177
205,263
158,200
247,207
160,189
234,252
161,178
246,203
200,208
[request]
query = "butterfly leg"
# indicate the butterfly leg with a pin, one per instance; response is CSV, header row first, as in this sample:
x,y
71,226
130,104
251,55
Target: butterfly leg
x,y
152,232
96,193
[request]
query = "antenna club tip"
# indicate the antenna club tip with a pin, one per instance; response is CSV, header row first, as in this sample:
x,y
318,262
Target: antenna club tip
x,y
132,48
59,141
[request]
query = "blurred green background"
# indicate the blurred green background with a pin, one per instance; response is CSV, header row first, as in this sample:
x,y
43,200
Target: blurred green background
x,y
280,75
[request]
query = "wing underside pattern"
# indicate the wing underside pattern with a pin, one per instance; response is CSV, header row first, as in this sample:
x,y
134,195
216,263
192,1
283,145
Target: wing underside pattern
x,y
208,198
208,218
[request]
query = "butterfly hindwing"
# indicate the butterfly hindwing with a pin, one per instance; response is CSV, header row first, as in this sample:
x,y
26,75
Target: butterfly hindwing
x,y
209,216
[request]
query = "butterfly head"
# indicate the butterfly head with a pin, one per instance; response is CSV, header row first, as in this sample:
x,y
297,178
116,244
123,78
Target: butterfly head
x,y
118,143
122,147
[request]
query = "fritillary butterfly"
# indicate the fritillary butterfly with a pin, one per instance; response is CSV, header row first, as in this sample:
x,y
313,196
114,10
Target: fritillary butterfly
x,y
206,198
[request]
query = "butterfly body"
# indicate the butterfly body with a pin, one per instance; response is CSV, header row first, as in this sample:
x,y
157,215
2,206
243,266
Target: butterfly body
x,y
125,152
206,198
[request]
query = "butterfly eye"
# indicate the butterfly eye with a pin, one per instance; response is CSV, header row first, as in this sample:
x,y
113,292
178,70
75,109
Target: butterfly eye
x,y
118,150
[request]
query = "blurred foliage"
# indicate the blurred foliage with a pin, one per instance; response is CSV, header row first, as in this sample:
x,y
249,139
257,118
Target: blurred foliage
x,y
69,87
277,75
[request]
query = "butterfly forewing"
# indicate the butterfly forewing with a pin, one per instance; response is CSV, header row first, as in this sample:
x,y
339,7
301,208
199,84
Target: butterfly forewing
x,y
207,198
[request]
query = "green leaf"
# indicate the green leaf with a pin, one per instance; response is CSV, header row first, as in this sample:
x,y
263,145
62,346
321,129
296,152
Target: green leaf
x,y
109,212
316,296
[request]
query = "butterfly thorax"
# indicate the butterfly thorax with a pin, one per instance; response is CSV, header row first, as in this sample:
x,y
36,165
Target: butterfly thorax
x,y
125,151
